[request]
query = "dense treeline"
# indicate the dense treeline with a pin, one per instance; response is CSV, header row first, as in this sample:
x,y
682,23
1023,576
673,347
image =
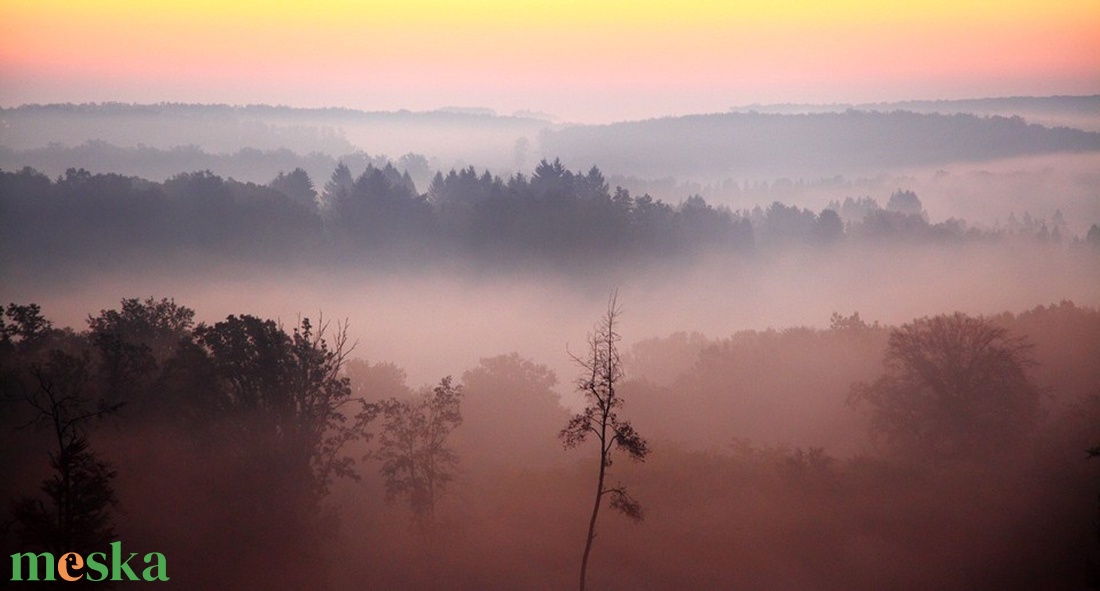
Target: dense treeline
x,y
556,217
246,164
697,390
256,455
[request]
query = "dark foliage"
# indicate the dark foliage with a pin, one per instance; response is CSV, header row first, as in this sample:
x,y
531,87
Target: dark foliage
x,y
953,386
59,394
215,491
557,218
418,462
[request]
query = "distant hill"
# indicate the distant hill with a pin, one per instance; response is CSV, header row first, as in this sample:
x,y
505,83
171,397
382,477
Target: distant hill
x,y
1081,112
453,135
760,142
762,145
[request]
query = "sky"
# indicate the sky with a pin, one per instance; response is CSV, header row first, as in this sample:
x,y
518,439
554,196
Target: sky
x,y
580,60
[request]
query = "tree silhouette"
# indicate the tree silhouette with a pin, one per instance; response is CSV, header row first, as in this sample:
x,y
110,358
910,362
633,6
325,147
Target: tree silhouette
x,y
61,392
25,324
953,386
156,324
339,185
417,462
602,371
278,398
132,345
297,186
905,202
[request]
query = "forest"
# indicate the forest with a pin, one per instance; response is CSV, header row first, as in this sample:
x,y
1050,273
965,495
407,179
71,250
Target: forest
x,y
947,452
340,370
479,295
556,218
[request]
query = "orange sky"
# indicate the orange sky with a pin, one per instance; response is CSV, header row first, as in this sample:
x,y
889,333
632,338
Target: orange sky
x,y
583,61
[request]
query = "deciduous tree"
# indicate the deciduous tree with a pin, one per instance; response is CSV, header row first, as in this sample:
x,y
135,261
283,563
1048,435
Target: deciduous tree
x,y
285,392
953,386
62,395
417,461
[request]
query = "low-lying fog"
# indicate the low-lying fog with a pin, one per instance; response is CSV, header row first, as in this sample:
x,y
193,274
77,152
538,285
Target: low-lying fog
x,y
434,322
984,194
771,466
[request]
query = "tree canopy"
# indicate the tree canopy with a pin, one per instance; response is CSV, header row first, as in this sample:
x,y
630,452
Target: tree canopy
x,y
953,385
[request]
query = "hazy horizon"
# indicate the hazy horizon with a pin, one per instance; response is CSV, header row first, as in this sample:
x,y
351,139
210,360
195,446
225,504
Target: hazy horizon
x,y
585,64
331,294
901,103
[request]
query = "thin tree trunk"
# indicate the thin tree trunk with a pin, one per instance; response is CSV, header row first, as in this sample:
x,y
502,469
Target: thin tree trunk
x,y
596,505
592,524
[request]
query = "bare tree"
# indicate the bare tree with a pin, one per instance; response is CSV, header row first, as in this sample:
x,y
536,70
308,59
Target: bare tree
x,y
602,372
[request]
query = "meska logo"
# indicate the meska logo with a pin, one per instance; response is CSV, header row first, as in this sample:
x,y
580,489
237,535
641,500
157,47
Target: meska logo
x,y
73,567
